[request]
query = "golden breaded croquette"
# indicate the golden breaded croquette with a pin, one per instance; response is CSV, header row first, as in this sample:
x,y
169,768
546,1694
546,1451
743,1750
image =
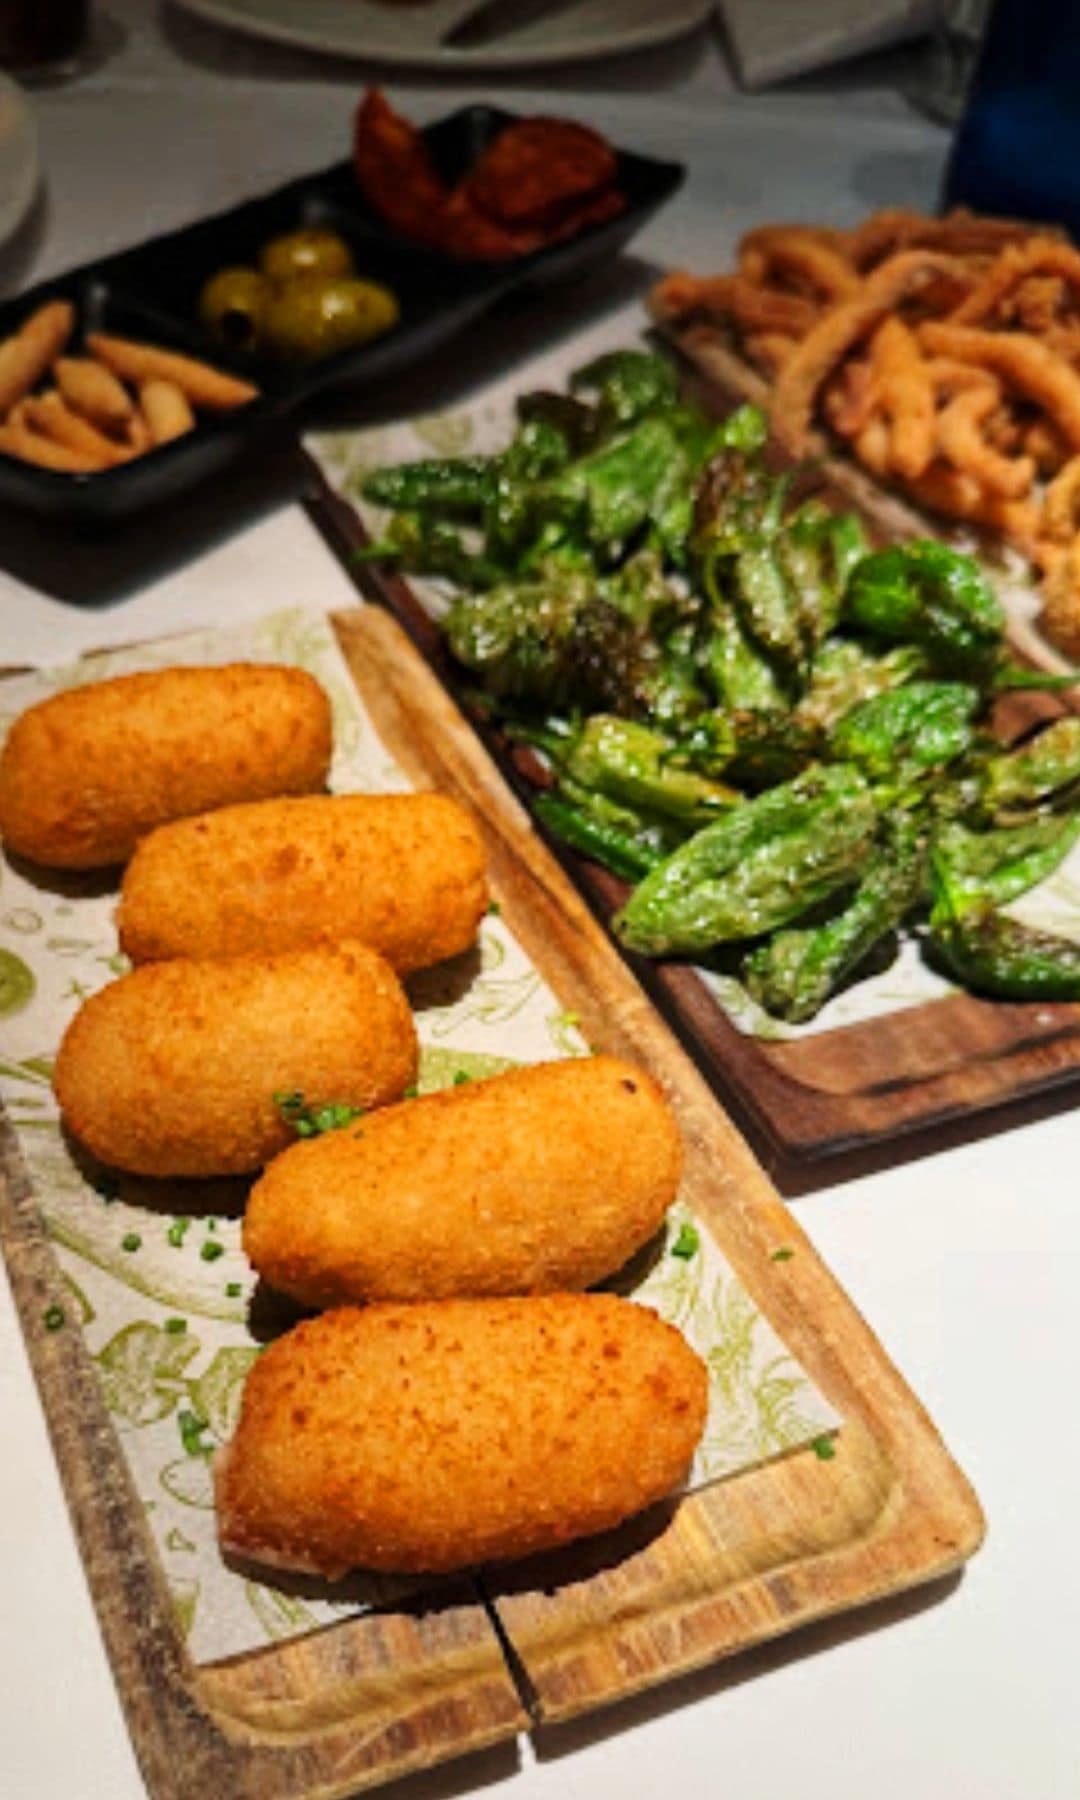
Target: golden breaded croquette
x,y
431,1437
545,1178
401,872
173,1069
86,773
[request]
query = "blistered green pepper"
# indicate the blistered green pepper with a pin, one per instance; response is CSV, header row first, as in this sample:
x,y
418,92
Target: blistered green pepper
x,y
924,593
629,762
763,865
994,867
993,954
795,971
912,729
1046,766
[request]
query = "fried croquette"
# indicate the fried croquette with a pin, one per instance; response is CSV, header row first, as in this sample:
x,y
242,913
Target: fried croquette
x,y
431,1437
548,1177
86,773
173,1069
401,872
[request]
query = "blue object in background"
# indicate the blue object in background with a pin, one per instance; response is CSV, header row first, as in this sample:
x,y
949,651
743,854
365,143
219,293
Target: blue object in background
x,y
1018,148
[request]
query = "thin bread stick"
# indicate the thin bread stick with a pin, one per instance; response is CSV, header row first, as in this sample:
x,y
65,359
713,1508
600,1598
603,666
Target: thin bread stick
x,y
28,446
50,415
166,409
203,386
93,391
25,357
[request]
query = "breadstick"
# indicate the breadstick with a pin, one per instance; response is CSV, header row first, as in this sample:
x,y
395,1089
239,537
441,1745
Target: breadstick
x,y
25,357
202,385
17,440
50,415
166,410
93,391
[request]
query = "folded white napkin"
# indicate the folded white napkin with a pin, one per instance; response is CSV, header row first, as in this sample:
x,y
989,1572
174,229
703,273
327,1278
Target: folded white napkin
x,y
774,39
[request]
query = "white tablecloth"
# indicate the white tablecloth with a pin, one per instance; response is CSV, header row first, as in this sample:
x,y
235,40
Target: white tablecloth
x,y
963,1260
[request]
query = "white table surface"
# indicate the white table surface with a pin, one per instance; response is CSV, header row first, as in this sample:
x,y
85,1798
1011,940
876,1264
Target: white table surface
x,y
965,1261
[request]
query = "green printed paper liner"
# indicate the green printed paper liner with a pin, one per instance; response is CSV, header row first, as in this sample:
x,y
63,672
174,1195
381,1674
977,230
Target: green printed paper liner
x,y
162,1293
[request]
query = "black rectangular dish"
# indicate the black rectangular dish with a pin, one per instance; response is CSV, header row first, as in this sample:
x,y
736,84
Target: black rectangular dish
x,y
150,292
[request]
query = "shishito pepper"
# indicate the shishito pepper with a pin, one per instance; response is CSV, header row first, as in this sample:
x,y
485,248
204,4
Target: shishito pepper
x,y
994,867
794,973
924,593
993,954
908,731
766,863
1046,766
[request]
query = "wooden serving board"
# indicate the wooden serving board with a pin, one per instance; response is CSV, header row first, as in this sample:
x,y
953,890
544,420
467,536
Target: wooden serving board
x,y
704,1577
839,1090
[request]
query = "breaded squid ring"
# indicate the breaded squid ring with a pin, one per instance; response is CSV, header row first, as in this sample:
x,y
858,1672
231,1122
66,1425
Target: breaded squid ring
x,y
801,378
1023,362
898,370
963,444
1039,256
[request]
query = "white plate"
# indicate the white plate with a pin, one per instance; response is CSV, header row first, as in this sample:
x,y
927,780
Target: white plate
x,y
408,33
18,157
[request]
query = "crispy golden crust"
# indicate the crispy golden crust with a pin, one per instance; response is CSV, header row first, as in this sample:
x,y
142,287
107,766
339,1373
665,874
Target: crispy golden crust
x,y
172,1070
88,772
432,1437
401,872
549,1177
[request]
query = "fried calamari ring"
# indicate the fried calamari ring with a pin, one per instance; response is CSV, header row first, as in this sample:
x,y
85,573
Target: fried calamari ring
x,y
958,495
960,233
851,397
906,396
1061,504
800,255
847,325
1017,262
1024,363
1045,445
962,443
754,309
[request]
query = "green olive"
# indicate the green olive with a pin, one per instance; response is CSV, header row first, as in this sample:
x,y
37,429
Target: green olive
x,y
312,252
315,317
231,306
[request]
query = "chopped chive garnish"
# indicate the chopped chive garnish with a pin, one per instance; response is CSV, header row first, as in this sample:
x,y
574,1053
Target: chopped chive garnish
x,y
130,1241
411,1092
461,1076
175,1326
824,1448
54,1318
311,1121
688,1242
211,1250
233,1290
493,909
178,1231
784,1254
191,1428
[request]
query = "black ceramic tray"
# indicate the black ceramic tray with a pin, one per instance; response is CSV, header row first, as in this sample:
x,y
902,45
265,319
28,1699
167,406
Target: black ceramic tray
x,y
151,292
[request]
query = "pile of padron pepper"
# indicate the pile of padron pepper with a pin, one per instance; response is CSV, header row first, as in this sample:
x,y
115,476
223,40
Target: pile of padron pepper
x,y
780,736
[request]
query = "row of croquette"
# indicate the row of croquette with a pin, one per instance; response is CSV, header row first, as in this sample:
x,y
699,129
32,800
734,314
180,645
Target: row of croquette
x,y
463,1399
